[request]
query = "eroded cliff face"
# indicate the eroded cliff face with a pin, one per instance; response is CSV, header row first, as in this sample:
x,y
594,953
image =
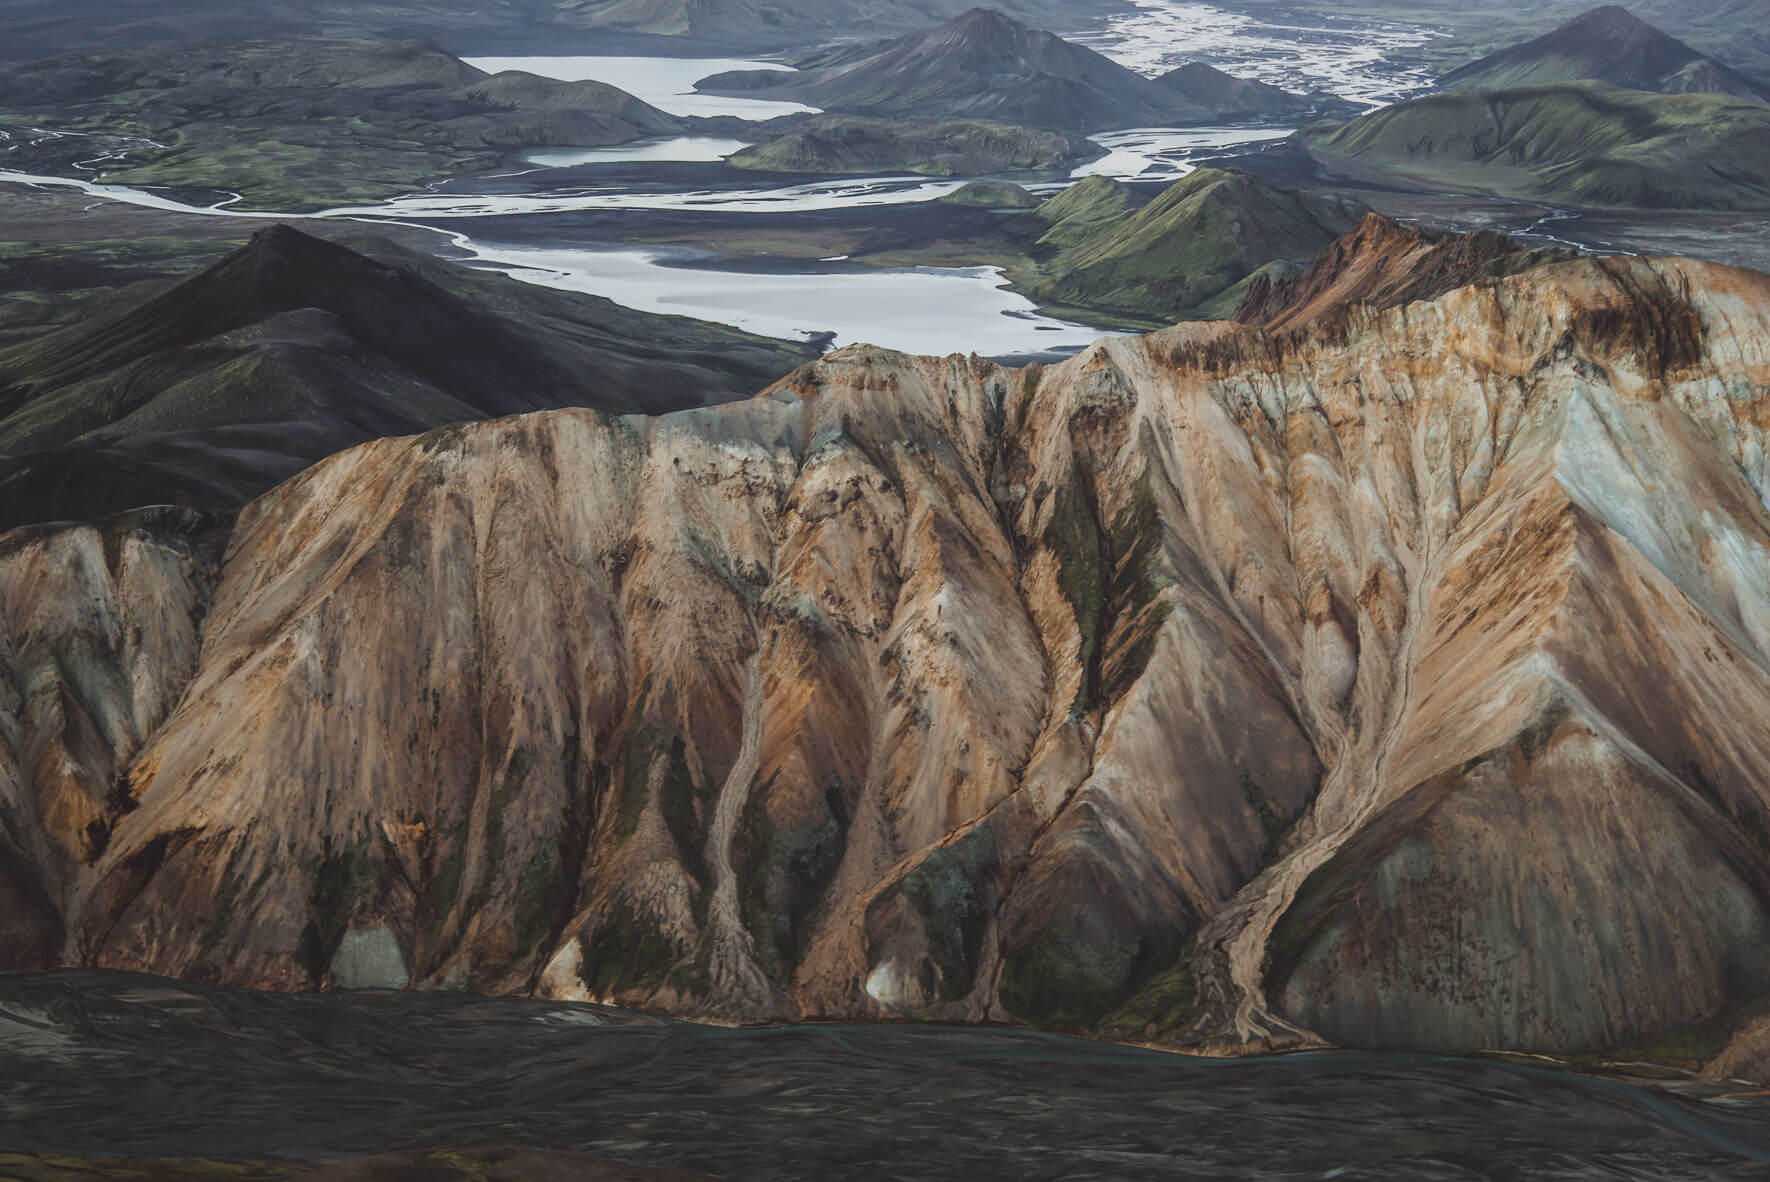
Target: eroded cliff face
x,y
1382,263
1396,680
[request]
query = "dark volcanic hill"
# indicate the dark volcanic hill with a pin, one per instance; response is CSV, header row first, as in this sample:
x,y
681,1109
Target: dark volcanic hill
x,y
1206,86
1608,44
293,348
980,65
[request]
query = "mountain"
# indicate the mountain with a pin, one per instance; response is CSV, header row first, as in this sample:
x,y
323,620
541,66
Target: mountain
x,y
293,348
1381,263
1608,44
300,124
1206,86
952,147
982,65
39,28
1582,144
800,21
1394,680
1182,254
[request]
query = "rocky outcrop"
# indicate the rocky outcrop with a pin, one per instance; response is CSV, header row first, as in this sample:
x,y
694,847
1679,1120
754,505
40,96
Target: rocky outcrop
x,y
1397,679
1382,263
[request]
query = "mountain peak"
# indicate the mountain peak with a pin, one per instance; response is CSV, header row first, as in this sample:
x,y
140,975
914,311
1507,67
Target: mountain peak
x,y
283,239
1608,14
989,31
981,17
1608,44
982,64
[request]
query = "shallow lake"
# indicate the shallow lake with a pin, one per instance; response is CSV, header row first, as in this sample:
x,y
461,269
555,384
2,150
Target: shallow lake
x,y
920,310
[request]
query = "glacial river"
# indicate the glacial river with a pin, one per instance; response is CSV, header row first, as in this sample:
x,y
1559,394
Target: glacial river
x,y
520,222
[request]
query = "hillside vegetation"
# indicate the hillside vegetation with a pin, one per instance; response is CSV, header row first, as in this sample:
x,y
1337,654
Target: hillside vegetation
x,y
1608,44
1184,255
951,147
1579,144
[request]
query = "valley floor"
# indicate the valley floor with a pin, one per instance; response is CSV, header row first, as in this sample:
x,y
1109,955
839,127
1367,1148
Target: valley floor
x,y
301,1085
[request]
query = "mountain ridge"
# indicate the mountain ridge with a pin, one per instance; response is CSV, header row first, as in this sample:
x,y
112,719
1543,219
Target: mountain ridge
x,y
1215,688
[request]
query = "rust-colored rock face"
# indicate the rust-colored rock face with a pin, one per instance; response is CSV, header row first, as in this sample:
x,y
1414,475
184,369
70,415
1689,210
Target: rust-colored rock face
x,y
1384,264
1402,679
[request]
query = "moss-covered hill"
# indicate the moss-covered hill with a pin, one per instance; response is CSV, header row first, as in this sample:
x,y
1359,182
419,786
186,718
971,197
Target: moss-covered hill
x,y
950,147
302,124
992,195
1579,144
1184,255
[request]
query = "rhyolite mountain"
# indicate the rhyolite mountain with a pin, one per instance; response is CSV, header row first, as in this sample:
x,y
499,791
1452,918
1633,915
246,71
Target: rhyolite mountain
x,y
1608,44
1397,678
1578,143
292,348
1382,263
981,65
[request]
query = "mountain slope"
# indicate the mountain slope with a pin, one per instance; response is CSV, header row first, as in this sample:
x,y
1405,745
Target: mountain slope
x,y
1608,44
293,348
1206,86
1184,252
982,65
39,28
950,147
1578,143
1383,264
1363,683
